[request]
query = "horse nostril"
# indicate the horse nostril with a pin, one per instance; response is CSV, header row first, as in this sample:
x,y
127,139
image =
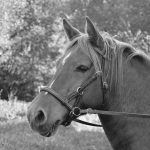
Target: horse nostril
x,y
40,117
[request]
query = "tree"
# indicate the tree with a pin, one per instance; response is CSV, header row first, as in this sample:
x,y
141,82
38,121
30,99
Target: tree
x,y
111,15
31,53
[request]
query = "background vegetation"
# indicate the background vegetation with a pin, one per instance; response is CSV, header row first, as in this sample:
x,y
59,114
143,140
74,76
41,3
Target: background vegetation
x,y
32,37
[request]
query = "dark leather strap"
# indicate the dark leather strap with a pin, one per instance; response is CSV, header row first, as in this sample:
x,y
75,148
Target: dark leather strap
x,y
108,113
114,113
54,94
87,123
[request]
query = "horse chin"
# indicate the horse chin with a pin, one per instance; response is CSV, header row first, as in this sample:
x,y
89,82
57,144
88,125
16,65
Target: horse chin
x,y
48,132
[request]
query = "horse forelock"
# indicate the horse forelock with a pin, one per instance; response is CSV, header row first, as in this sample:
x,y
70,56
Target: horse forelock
x,y
83,42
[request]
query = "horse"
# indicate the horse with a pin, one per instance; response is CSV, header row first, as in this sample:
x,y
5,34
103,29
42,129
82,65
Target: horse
x,y
99,72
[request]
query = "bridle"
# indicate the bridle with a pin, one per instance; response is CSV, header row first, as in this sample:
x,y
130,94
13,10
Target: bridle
x,y
75,111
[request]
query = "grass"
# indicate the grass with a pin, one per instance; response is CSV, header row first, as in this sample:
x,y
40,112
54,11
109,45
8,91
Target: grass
x,y
12,109
15,133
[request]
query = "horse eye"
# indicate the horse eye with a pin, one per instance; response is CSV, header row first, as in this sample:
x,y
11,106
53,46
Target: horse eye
x,y
82,68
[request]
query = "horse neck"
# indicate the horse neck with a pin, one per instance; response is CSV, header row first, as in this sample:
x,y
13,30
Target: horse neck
x,y
129,133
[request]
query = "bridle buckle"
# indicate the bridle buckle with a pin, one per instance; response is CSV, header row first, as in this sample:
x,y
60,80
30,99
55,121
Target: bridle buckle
x,y
99,73
79,91
76,111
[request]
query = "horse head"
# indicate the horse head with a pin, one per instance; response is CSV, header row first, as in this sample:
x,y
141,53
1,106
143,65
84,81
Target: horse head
x,y
75,83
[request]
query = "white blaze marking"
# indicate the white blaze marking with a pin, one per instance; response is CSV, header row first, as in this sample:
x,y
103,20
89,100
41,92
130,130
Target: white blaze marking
x,y
52,83
65,58
63,62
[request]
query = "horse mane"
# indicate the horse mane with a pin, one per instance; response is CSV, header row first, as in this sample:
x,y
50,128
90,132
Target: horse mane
x,y
111,44
113,51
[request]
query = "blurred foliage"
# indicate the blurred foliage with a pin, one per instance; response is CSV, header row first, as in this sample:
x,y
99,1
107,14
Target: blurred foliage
x,y
140,40
32,37
112,15
28,58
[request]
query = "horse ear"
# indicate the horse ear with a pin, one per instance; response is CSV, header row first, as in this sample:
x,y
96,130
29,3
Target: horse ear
x,y
71,31
94,34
